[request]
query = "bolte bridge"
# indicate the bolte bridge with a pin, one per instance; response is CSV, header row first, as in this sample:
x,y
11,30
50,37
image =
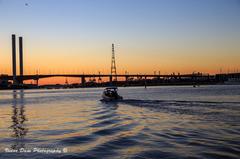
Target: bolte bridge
x,y
84,77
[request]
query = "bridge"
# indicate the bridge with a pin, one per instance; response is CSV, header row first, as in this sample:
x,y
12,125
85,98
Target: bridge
x,y
228,76
83,77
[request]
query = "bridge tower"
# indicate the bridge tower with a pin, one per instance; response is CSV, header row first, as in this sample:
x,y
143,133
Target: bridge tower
x,y
21,59
14,68
113,65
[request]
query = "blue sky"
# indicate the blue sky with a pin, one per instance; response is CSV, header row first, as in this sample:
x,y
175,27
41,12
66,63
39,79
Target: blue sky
x,y
120,16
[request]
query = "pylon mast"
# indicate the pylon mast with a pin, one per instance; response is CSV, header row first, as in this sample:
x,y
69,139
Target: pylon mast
x,y
113,65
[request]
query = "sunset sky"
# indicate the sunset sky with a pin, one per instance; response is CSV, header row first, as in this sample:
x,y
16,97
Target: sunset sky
x,y
75,36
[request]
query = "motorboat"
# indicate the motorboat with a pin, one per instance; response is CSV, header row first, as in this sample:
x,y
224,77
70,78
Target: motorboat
x,y
111,94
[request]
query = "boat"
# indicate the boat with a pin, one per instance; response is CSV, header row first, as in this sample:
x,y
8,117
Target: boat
x,y
111,94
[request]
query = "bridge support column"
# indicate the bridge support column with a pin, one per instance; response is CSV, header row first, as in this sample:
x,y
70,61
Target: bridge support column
x,y
36,81
145,81
126,78
110,78
83,80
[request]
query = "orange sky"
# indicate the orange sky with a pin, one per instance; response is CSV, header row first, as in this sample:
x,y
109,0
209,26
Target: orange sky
x,y
84,59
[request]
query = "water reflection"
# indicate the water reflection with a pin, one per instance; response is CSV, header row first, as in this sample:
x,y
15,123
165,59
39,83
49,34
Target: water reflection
x,y
110,105
18,120
143,125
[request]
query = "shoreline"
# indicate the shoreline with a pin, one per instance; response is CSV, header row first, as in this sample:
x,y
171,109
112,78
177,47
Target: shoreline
x,y
67,87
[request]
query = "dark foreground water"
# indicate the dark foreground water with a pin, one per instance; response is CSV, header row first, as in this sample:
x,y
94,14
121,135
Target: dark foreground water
x,y
157,122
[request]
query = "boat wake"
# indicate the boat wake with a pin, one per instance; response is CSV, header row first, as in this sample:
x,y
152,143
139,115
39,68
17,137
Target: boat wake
x,y
174,102
202,109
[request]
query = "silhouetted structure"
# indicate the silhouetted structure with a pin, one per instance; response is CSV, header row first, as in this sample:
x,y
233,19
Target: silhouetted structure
x,y
130,79
113,65
21,58
14,70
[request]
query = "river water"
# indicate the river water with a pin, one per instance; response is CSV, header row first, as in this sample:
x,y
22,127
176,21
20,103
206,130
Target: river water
x,y
157,122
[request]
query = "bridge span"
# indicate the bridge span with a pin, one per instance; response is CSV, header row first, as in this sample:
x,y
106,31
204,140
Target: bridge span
x,y
83,77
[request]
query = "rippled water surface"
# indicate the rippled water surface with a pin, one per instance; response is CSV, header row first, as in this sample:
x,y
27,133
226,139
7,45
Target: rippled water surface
x,y
157,122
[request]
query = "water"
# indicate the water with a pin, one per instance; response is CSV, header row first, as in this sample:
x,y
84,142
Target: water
x,y
157,122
